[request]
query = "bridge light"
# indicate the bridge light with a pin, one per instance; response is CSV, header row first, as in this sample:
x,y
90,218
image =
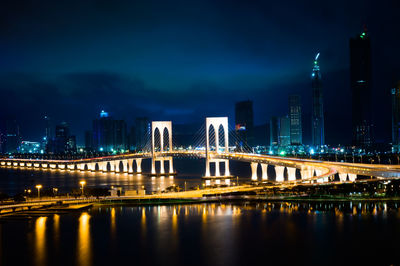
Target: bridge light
x,y
101,149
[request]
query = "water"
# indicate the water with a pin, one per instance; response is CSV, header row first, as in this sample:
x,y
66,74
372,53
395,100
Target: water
x,y
208,234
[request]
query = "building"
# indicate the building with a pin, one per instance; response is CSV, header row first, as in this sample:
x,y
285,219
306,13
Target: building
x,y
12,137
361,87
63,142
296,137
284,131
88,140
396,118
142,131
274,131
244,123
109,135
31,147
317,116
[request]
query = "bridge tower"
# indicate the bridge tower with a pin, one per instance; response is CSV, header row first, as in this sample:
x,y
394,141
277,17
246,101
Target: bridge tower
x,y
163,127
216,123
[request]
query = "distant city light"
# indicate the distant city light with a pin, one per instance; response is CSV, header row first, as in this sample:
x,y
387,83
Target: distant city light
x,y
312,151
101,149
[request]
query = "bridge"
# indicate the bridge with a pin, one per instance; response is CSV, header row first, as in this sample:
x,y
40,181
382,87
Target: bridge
x,y
215,151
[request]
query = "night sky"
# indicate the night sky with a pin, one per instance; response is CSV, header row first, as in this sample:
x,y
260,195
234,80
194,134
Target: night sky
x,y
184,60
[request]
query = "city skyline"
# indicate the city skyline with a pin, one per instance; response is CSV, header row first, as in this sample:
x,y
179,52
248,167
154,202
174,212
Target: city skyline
x,y
135,69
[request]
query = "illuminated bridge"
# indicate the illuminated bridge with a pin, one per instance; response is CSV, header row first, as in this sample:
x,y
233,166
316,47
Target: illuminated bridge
x,y
217,153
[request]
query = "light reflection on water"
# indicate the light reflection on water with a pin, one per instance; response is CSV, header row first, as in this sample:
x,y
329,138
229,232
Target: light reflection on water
x,y
202,234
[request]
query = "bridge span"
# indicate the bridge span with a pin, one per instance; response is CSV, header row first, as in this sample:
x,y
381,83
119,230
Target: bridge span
x,y
310,170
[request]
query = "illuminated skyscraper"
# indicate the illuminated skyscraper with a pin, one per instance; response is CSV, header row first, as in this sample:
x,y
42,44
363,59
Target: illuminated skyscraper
x,y
317,119
295,120
284,131
360,82
396,118
274,131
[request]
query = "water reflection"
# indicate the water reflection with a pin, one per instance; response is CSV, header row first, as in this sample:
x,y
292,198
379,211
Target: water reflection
x,y
40,241
84,248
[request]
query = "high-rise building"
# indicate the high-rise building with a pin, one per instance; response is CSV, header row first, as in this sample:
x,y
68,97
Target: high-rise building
x,y
120,135
142,130
274,131
13,138
284,131
360,82
88,140
108,134
63,141
244,123
295,120
396,118
317,119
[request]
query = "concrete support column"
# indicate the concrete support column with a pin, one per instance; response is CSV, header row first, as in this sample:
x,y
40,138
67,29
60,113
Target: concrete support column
x,y
217,173
291,173
102,166
153,166
130,166
162,171
305,173
171,166
125,167
138,165
343,177
227,171
264,168
92,167
254,171
112,166
352,177
279,170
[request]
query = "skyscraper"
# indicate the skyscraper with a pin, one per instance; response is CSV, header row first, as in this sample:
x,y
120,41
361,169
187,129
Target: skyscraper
x,y
244,123
274,131
295,120
360,82
317,119
284,131
108,134
13,138
396,118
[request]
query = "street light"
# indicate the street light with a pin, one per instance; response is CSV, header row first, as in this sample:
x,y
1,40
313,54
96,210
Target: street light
x,y
83,182
38,189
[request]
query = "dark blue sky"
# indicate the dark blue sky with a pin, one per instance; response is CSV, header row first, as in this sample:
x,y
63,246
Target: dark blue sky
x,y
184,60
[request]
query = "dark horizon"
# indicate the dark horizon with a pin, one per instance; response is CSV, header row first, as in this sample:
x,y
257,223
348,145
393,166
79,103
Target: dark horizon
x,y
180,61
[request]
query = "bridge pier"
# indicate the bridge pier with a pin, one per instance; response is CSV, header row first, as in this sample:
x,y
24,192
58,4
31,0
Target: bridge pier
x,y
343,177
264,169
279,170
130,166
291,173
352,177
138,165
254,171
